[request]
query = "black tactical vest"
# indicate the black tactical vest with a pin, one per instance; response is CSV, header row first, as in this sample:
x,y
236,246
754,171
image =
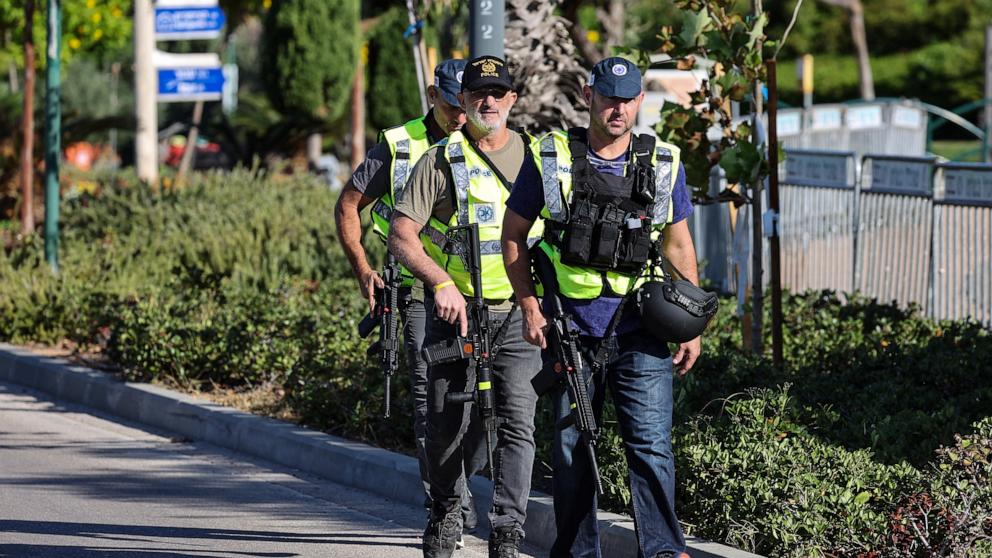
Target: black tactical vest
x,y
609,217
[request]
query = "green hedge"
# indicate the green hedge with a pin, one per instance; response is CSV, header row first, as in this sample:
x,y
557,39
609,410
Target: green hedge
x,y
873,439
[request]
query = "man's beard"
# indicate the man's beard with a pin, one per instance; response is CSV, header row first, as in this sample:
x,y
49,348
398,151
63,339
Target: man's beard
x,y
475,117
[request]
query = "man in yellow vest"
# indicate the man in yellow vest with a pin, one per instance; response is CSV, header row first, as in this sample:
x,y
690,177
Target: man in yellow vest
x,y
377,182
467,179
604,196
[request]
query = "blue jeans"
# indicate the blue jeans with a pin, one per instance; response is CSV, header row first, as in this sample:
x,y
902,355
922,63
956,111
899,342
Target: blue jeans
x,y
639,375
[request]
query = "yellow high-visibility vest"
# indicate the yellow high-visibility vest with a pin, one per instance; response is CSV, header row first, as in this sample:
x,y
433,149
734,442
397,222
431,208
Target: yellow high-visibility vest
x,y
554,161
480,197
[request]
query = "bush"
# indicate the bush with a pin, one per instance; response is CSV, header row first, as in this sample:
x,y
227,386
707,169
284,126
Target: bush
x,y
756,477
393,94
238,280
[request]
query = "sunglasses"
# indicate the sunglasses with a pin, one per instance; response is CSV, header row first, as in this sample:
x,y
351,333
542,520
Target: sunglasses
x,y
495,92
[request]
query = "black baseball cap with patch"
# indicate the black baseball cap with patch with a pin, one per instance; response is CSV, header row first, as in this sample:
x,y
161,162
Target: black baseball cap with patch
x,y
486,71
616,77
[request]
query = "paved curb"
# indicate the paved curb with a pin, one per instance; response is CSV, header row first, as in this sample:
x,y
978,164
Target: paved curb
x,y
375,470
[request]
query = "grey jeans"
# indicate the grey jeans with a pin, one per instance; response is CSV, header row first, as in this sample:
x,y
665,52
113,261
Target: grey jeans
x,y
448,424
414,308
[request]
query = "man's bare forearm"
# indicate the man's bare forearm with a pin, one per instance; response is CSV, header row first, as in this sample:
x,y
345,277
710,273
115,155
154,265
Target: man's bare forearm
x,y
349,226
680,251
405,244
516,258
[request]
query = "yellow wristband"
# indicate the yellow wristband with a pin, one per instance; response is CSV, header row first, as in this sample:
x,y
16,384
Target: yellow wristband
x,y
443,284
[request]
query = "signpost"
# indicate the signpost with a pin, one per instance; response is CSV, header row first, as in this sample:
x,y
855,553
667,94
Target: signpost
x,y
189,77
169,77
188,22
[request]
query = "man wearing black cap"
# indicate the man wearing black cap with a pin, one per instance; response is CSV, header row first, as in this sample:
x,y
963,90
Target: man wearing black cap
x,y
380,180
605,196
466,180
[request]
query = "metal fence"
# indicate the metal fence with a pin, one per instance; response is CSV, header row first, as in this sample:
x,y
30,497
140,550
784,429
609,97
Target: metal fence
x,y
902,229
816,226
962,242
894,204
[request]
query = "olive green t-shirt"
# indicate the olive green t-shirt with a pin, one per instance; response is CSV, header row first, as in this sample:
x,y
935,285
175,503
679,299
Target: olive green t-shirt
x,y
429,189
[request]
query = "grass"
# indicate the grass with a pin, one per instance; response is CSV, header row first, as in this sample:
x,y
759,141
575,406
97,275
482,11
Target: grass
x,y
958,150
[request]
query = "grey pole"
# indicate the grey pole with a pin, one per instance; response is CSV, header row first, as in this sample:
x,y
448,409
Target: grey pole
x,y
487,22
53,132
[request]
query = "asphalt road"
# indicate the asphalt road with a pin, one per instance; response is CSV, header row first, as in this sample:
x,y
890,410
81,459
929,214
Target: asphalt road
x,y
77,485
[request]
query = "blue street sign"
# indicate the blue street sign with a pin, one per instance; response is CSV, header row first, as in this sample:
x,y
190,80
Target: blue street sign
x,y
188,22
190,84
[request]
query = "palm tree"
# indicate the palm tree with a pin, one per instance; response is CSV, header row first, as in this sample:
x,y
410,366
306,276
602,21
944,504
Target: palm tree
x,y
544,66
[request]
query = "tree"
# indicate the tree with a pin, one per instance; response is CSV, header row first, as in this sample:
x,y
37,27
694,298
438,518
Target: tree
x,y
310,51
544,67
610,18
393,93
860,39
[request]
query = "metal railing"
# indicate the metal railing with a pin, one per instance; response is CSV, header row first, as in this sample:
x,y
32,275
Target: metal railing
x,y
903,229
962,242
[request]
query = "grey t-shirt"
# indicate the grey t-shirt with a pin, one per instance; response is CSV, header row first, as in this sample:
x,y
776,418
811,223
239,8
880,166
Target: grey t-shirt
x,y
428,191
371,178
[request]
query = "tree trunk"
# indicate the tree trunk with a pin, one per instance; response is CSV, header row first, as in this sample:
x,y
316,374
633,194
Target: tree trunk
x,y
358,116
544,67
27,125
855,11
860,39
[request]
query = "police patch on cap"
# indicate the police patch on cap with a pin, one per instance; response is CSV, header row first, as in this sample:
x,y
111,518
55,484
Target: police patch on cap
x,y
486,71
616,77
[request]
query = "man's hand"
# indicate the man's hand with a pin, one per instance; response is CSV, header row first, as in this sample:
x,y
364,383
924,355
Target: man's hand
x,y
369,281
686,356
450,306
534,326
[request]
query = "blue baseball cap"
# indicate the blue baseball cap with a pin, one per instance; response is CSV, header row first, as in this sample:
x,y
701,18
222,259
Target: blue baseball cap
x,y
616,77
448,80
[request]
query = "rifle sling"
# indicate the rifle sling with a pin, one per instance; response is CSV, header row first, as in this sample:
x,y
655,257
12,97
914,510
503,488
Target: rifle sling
x,y
498,340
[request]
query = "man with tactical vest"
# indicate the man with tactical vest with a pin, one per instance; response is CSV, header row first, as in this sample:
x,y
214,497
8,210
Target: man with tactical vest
x,y
379,180
467,180
605,195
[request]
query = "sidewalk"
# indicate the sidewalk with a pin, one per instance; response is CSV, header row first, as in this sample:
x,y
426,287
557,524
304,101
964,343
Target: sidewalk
x,y
354,464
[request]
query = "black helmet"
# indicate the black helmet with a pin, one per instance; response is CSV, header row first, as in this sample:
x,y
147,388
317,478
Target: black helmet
x,y
675,311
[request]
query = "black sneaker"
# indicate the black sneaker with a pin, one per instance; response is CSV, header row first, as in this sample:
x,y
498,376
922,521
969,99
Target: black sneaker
x,y
670,554
442,534
504,542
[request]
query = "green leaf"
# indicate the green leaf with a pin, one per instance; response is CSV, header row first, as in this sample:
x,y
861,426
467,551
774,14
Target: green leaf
x,y
693,26
862,498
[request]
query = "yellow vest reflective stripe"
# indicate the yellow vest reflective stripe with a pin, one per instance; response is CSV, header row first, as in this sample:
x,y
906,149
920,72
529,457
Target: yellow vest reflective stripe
x,y
480,198
407,143
554,160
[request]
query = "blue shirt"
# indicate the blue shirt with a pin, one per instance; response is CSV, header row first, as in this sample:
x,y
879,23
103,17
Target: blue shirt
x,y
591,317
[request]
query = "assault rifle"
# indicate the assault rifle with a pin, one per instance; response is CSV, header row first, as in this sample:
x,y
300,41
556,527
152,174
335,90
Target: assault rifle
x,y
384,316
563,342
481,343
